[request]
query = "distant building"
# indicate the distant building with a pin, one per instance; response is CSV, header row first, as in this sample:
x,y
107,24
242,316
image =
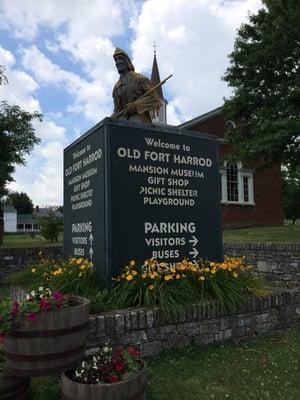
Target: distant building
x,y
249,195
18,223
10,218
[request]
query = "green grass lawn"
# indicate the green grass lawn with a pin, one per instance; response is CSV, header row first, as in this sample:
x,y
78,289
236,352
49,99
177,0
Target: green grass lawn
x,y
285,233
20,240
265,368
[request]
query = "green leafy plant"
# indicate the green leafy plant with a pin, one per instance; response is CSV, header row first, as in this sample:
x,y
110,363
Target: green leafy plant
x,y
72,275
170,287
50,226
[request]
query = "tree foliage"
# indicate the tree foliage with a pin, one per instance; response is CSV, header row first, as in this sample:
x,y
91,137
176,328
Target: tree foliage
x,y
50,226
22,202
17,139
264,72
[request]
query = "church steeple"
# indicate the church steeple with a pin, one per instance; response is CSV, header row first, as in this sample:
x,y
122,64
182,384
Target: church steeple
x,y
161,117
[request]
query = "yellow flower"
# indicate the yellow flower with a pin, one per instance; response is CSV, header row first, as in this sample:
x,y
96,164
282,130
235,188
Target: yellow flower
x,y
133,272
33,270
168,277
178,276
206,269
151,287
129,277
235,274
132,263
213,271
144,275
201,278
58,272
211,264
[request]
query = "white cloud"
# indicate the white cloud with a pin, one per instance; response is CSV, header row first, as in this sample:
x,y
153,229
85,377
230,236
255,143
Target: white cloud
x,y
77,17
21,88
193,40
92,99
41,179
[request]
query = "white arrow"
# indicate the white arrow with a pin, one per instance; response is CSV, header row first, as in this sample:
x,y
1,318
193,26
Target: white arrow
x,y
194,241
91,252
91,238
194,253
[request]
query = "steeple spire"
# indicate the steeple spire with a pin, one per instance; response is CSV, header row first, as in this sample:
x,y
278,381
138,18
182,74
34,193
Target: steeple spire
x,y
155,78
160,117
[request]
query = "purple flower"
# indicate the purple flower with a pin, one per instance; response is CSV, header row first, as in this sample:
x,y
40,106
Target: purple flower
x,y
57,295
32,316
15,308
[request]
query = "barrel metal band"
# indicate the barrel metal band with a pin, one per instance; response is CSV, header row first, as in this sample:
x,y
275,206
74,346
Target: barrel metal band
x,y
135,396
45,356
48,333
42,372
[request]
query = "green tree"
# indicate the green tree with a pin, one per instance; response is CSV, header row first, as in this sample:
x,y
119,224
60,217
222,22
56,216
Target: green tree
x,y
22,202
17,139
291,195
50,225
264,73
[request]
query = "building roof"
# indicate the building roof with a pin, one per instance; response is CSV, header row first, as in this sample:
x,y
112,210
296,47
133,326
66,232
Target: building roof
x,y
155,78
34,217
41,212
26,219
201,118
8,208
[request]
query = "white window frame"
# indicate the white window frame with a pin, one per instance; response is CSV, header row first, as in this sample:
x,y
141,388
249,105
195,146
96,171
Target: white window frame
x,y
242,173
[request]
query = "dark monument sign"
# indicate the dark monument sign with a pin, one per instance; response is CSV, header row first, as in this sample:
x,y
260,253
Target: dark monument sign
x,y
136,191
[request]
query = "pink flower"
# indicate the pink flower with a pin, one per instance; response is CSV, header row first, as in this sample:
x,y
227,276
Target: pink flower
x,y
45,305
15,308
58,296
32,316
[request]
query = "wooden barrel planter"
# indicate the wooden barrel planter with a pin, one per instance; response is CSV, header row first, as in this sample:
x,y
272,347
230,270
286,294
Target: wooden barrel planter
x,y
133,388
13,387
51,344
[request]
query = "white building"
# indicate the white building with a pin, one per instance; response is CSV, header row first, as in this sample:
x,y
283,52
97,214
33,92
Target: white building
x,y
10,218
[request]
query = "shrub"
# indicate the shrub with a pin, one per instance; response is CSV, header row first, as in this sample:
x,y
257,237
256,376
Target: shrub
x,y
157,283
72,275
50,226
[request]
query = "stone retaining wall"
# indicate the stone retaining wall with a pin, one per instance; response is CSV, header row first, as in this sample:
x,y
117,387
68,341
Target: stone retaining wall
x,y
277,263
153,331
15,259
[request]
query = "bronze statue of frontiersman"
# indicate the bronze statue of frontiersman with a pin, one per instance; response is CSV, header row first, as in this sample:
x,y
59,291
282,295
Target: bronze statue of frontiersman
x,y
129,89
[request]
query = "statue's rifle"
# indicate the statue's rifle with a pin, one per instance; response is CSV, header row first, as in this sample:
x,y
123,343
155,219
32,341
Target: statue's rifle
x,y
120,113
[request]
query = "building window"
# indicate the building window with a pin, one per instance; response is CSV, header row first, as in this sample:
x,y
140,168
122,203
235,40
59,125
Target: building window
x,y
28,227
20,226
236,184
232,182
